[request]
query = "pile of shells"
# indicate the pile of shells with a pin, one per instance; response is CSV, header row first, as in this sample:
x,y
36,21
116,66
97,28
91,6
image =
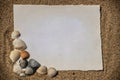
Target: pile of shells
x,y
21,65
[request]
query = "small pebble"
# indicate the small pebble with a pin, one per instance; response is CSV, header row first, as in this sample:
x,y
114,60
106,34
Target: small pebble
x,y
42,70
19,44
52,72
14,55
22,74
15,34
33,63
23,63
29,71
24,54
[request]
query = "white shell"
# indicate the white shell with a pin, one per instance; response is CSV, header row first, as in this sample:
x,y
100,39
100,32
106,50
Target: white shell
x,y
19,44
29,71
15,34
22,74
42,70
14,55
16,68
52,72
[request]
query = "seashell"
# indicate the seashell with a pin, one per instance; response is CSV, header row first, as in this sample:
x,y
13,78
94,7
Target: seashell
x,y
29,71
22,74
23,63
33,63
42,70
19,44
15,34
24,55
52,72
14,55
16,68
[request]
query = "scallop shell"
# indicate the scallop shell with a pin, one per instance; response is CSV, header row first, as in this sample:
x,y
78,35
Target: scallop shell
x,y
24,54
29,71
19,44
16,68
15,34
14,55
42,70
52,72
33,63
23,63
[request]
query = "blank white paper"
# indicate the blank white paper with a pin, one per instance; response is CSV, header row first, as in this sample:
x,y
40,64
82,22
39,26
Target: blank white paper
x,y
66,37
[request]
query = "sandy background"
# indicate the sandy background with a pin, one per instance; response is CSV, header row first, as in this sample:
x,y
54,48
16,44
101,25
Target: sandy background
x,y
110,34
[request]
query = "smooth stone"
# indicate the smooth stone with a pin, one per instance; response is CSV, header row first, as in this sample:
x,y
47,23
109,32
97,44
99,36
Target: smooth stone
x,y
19,44
15,34
52,72
23,63
22,74
14,55
29,71
16,68
42,70
24,54
33,63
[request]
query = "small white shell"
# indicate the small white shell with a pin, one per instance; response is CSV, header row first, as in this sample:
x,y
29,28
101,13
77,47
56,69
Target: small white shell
x,y
15,34
42,70
22,74
14,55
52,72
16,68
19,44
29,71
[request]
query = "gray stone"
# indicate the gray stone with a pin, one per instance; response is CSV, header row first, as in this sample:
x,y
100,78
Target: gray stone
x,y
33,63
23,63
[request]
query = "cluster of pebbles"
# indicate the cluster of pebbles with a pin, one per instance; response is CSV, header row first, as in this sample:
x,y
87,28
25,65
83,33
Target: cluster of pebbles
x,y
21,65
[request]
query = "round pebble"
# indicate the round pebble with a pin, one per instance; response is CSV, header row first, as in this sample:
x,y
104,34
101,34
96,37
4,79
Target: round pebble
x,y
14,55
24,55
23,63
29,71
15,34
42,70
33,63
52,72
19,44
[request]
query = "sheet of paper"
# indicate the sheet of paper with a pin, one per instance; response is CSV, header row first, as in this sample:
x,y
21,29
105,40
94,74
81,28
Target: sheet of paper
x,y
65,37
